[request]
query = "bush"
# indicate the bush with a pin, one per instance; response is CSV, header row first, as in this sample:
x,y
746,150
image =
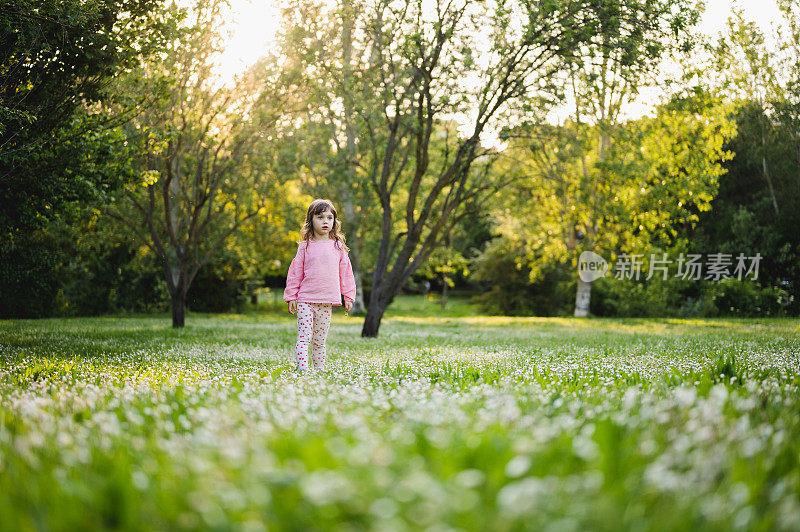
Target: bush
x,y
107,274
112,272
218,287
115,278
746,298
28,278
503,270
685,298
507,289
630,298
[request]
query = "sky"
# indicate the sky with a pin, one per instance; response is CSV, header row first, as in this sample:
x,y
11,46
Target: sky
x,y
714,21
762,12
252,25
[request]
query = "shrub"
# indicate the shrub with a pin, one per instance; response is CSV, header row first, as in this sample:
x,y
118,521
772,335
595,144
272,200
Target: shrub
x,y
28,279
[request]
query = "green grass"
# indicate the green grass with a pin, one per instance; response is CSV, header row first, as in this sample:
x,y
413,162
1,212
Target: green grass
x,y
447,420
271,301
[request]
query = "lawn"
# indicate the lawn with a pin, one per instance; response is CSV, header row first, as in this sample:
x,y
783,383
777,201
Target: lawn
x,y
448,420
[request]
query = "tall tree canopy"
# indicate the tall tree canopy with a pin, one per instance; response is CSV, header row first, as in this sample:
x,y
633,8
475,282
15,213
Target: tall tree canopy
x,y
205,162
419,65
631,39
58,151
56,58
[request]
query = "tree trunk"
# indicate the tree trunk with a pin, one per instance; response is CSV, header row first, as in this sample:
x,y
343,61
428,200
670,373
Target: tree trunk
x,y
765,170
350,151
443,302
372,321
583,294
797,160
765,167
253,286
358,303
355,257
583,298
178,310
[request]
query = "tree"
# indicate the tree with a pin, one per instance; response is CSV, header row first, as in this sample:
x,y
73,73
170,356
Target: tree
x,y
59,152
787,101
326,44
749,71
444,262
653,185
57,59
761,189
203,171
414,78
632,38
260,246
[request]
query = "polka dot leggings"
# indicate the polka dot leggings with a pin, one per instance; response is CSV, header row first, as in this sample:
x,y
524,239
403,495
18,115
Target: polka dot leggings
x,y
313,322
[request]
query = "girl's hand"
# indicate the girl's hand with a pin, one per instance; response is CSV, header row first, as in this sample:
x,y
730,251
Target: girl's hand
x,y
347,306
292,307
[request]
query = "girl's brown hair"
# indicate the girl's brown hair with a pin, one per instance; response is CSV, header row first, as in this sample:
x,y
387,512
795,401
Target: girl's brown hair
x,y
319,206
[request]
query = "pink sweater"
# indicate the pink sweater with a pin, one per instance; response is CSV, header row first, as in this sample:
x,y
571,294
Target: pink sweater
x,y
320,273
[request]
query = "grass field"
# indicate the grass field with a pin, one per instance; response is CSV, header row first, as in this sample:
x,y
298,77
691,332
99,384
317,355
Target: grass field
x,y
447,420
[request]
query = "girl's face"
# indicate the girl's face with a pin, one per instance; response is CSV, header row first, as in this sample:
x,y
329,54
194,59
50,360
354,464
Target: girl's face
x,y
323,223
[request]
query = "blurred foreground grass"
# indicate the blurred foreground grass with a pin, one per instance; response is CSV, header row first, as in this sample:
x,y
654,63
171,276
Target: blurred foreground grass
x,y
447,420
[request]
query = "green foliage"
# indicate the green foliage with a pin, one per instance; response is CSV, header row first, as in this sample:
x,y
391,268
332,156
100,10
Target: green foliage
x,y
742,218
746,298
504,277
57,59
120,279
469,424
60,150
109,274
507,289
447,264
758,207
218,287
89,269
28,279
646,185
686,298
638,191
628,298
105,272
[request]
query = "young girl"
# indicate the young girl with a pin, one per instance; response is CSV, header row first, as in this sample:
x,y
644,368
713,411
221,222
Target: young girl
x,y
320,274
